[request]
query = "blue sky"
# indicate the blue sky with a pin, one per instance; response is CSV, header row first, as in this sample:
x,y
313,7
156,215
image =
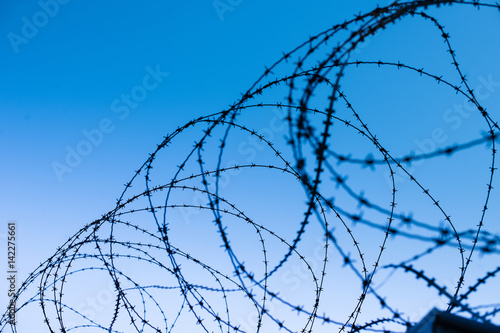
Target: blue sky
x,y
91,89
64,80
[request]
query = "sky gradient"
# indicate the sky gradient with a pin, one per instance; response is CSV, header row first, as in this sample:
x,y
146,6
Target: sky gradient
x,y
89,89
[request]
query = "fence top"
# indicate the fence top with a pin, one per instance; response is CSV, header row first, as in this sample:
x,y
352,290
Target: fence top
x,y
443,322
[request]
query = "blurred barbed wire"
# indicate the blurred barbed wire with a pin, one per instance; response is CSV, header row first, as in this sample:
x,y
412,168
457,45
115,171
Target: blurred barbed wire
x,y
349,258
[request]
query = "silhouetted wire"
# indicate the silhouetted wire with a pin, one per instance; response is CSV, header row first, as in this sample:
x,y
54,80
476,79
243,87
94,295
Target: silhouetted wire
x,y
137,232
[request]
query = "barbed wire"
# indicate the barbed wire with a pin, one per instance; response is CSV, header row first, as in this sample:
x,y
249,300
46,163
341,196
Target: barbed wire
x,y
238,266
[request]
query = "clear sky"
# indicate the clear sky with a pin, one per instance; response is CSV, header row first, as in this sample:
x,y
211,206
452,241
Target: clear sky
x,y
88,89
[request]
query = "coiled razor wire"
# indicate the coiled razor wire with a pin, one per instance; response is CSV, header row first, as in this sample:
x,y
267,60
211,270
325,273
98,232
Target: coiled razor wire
x,y
287,240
